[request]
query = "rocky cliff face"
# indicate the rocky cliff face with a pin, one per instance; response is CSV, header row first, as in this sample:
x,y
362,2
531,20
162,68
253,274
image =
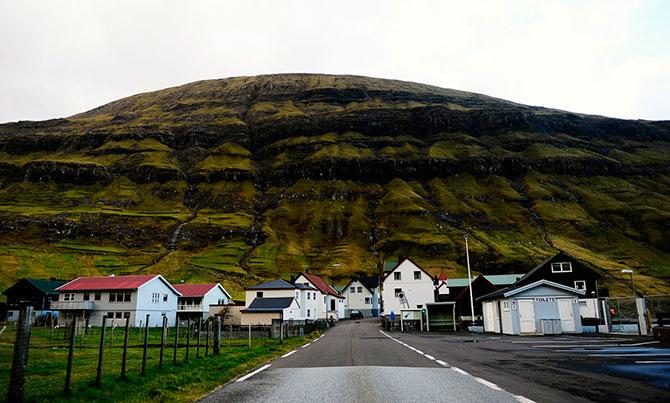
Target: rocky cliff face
x,y
247,178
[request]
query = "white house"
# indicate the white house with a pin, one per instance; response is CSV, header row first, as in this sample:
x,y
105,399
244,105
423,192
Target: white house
x,y
279,299
331,303
406,286
120,297
362,294
196,299
542,307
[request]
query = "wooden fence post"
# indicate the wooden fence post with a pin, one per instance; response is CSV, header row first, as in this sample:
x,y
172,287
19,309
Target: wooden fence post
x,y
70,356
250,335
197,349
188,337
208,324
125,349
176,341
17,379
163,338
98,375
146,342
217,336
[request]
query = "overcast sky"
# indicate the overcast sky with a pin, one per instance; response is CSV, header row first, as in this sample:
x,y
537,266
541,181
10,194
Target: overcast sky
x,y
611,57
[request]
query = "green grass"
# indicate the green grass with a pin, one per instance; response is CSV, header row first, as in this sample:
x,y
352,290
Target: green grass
x,y
185,381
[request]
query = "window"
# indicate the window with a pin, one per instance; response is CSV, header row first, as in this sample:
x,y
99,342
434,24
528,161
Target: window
x,y
398,291
367,300
97,296
417,275
307,295
68,297
297,295
87,296
259,294
360,290
126,315
580,284
352,290
155,298
165,298
419,306
112,297
314,295
126,297
118,315
396,275
561,267
506,306
110,315
308,313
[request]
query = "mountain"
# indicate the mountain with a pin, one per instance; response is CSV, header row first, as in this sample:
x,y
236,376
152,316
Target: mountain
x,y
249,178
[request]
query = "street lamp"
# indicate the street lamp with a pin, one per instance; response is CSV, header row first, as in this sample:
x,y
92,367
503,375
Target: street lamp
x,y
632,286
472,305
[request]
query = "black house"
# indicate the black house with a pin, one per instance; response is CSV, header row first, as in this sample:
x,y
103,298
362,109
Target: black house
x,y
565,269
37,293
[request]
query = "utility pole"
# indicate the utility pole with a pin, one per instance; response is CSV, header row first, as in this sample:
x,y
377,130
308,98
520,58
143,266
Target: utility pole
x,y
472,303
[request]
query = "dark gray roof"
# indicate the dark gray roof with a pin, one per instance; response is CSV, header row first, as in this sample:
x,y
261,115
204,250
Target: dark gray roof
x,y
269,304
278,284
45,286
304,287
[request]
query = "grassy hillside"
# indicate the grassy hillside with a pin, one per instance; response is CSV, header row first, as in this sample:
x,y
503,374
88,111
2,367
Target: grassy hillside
x,y
245,179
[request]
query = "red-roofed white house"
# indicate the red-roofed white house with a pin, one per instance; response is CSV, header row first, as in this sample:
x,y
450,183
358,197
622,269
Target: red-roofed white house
x,y
119,297
196,299
331,303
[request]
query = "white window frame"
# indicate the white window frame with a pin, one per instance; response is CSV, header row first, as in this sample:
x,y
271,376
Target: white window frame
x,y
360,290
352,290
155,297
367,300
397,276
397,292
583,283
417,275
559,267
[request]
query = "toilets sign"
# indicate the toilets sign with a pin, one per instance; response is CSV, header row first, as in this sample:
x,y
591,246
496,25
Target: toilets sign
x,y
544,299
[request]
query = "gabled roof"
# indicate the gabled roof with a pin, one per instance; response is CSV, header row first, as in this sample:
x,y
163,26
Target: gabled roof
x,y
45,286
100,283
478,280
321,285
198,290
356,280
495,279
561,253
278,284
510,291
442,276
388,273
269,304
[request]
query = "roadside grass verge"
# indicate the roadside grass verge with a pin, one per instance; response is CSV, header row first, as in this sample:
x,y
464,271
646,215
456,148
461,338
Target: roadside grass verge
x,y
183,381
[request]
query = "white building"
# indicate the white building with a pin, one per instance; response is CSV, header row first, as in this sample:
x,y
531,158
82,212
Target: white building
x,y
542,307
196,299
406,286
279,300
362,294
331,303
119,298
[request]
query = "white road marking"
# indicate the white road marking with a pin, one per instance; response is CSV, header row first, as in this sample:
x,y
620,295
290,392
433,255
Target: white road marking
x,y
487,383
596,345
460,371
306,345
430,357
249,375
289,353
523,399
652,362
444,364
643,343
418,351
589,340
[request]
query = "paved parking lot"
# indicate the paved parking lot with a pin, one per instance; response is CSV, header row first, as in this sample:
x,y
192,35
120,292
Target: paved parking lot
x,y
559,368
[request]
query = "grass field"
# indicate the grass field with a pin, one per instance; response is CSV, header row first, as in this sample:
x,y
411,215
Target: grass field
x,y
185,381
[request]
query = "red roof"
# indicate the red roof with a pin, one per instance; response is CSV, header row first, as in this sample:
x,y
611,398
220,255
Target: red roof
x,y
320,284
194,290
106,283
442,276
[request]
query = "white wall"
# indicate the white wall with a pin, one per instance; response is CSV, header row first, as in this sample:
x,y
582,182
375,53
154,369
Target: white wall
x,y
356,300
417,292
145,305
212,298
250,295
322,305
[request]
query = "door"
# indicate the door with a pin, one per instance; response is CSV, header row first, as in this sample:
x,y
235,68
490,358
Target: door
x,y
566,313
489,317
526,316
332,304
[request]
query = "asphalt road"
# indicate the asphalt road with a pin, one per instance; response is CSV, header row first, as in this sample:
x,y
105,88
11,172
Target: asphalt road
x,y
355,362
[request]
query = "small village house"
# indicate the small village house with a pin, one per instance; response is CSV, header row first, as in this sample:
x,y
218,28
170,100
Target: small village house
x,y
331,303
118,297
36,293
407,286
361,294
196,299
279,300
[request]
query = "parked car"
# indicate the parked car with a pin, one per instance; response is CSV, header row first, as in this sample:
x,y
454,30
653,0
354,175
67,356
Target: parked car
x,y
356,315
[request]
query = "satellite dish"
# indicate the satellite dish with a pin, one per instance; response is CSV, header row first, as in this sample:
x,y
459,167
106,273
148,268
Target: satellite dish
x,y
401,295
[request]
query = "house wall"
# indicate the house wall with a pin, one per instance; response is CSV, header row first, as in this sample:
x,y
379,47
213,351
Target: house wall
x,y
250,295
321,298
418,292
233,315
356,300
215,296
259,318
158,309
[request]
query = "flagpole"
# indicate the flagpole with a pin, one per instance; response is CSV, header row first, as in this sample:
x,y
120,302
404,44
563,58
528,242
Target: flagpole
x,y
472,304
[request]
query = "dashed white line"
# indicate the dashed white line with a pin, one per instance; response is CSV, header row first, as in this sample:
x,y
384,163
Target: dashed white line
x,y
487,383
419,352
444,364
629,355
289,353
430,357
523,399
460,371
306,345
652,362
249,375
